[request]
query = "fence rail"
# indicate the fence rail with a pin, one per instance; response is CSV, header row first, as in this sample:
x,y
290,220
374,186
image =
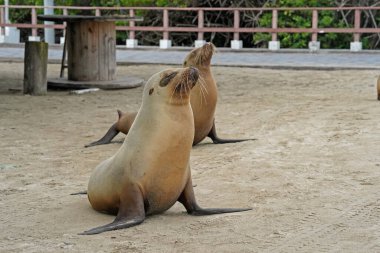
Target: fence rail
x,y
201,27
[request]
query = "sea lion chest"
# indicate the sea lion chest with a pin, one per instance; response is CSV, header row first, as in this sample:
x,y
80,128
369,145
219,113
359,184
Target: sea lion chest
x,y
203,102
154,156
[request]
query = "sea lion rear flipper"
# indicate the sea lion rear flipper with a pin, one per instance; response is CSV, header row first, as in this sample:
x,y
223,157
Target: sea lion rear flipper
x,y
187,198
216,140
131,212
107,138
79,193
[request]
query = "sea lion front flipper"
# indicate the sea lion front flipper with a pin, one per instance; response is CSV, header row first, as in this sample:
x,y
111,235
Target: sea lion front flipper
x,y
187,198
107,138
216,140
131,212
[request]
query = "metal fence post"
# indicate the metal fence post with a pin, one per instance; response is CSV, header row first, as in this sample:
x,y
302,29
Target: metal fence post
x,y
34,36
166,24
200,40
165,42
2,20
236,24
34,21
314,44
132,24
357,25
97,12
131,40
200,24
314,36
236,43
274,44
274,24
356,45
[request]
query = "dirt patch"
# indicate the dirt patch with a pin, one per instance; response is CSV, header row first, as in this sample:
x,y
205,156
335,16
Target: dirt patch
x,y
312,177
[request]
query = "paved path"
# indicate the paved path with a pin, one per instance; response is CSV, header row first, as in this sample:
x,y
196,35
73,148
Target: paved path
x,y
248,58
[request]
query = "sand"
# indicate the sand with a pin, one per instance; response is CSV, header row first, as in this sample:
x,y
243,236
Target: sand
x,y
312,177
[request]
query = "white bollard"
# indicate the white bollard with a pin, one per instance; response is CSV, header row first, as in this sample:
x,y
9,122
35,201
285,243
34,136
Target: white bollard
x,y
236,44
356,46
165,44
131,43
314,45
199,43
274,45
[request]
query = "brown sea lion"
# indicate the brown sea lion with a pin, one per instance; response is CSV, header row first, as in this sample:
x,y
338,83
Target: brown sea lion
x,y
203,101
151,171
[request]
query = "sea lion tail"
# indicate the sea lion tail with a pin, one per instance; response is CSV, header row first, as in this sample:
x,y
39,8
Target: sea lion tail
x,y
216,140
107,138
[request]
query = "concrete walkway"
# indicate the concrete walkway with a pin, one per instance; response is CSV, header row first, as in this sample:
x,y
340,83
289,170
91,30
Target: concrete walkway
x,y
293,59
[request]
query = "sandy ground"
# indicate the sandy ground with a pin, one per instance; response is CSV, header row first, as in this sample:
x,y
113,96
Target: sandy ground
x,y
312,177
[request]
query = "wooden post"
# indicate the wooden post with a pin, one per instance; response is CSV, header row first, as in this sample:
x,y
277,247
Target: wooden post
x,y
35,68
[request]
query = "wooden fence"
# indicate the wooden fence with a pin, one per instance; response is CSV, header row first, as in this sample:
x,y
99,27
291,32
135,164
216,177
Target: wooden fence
x,y
201,27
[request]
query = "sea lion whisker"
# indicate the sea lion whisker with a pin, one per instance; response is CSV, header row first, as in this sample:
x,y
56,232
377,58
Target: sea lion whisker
x,y
180,90
199,59
202,97
202,83
204,93
202,89
172,95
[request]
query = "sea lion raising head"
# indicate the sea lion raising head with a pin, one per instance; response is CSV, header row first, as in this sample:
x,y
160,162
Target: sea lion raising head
x,y
203,102
151,171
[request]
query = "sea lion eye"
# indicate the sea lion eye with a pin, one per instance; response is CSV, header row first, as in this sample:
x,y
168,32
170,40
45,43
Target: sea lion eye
x,y
151,91
185,63
166,80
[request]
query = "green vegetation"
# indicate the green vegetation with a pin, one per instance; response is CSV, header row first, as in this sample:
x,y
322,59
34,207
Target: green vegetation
x,y
303,19
286,19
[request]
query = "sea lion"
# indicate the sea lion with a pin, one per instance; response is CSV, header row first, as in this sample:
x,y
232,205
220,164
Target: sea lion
x,y
203,101
151,171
